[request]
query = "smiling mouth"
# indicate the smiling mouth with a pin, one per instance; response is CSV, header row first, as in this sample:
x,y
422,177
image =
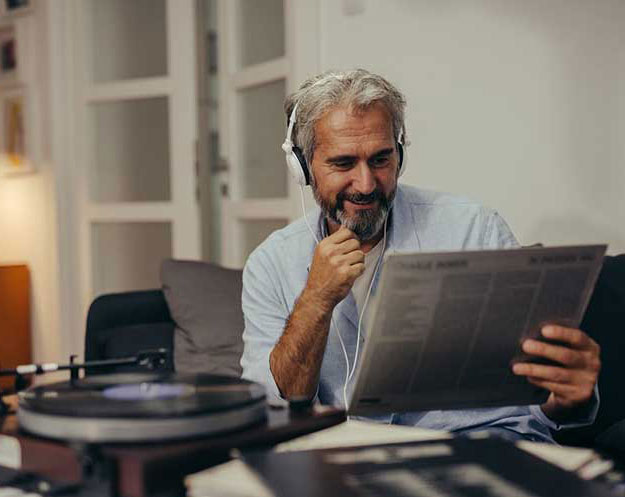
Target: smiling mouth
x,y
358,204
360,201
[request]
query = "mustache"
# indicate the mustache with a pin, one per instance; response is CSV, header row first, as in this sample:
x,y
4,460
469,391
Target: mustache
x,y
361,198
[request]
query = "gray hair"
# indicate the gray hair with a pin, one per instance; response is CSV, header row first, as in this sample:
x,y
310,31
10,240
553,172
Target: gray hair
x,y
358,88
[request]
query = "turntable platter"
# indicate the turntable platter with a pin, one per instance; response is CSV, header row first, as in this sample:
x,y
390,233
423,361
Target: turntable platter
x,y
141,407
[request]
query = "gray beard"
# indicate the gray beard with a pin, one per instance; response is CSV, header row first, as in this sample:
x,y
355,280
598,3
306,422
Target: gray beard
x,y
365,224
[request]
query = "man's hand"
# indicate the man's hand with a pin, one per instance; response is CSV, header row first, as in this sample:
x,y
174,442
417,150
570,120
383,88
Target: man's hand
x,y
571,384
337,262
296,359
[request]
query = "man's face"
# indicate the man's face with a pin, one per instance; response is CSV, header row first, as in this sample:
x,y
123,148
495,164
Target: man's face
x,y
354,168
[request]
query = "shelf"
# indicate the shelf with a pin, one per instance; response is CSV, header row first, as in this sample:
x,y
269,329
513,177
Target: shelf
x,y
261,209
260,74
130,212
128,90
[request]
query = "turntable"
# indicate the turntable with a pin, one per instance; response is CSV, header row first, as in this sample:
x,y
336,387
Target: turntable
x,y
140,407
138,434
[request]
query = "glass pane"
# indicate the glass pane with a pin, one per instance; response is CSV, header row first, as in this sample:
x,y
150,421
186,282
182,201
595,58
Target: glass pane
x,y
131,151
129,39
263,170
261,30
127,256
253,233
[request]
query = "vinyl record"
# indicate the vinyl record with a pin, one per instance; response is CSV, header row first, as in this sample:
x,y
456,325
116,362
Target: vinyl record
x,y
141,407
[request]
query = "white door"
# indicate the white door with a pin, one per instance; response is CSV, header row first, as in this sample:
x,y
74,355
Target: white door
x,y
135,127
252,53
253,83
248,70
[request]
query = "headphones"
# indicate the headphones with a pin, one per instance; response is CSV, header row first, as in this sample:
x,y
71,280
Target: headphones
x,y
296,162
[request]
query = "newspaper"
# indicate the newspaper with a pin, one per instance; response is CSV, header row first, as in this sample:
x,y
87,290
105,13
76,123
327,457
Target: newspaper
x,y
446,327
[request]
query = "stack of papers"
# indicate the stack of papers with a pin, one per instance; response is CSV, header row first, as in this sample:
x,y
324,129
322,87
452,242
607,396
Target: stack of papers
x,y
236,479
354,433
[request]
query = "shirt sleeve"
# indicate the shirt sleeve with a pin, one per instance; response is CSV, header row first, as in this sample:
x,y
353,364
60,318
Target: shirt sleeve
x,y
585,417
265,315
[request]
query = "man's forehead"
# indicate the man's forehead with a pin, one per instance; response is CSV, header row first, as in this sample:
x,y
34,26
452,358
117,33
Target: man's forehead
x,y
342,121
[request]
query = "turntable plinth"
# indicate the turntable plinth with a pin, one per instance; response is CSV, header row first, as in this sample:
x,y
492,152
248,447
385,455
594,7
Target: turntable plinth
x,y
143,470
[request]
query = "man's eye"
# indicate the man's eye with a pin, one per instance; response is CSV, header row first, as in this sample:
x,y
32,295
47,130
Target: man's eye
x,y
380,161
343,165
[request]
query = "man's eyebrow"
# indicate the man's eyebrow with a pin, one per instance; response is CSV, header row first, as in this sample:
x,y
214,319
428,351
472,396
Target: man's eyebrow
x,y
350,158
341,158
383,152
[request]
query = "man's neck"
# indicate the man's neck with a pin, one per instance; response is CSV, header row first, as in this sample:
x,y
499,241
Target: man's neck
x,y
364,246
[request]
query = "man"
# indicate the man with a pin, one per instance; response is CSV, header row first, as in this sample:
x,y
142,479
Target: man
x,y
303,300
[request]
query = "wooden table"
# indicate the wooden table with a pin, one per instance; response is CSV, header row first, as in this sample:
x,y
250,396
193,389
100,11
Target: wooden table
x,y
141,470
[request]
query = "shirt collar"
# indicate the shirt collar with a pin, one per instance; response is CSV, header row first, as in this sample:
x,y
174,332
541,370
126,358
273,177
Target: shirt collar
x,y
402,232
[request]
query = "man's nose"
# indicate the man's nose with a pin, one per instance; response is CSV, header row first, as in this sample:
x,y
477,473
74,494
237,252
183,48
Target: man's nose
x,y
364,179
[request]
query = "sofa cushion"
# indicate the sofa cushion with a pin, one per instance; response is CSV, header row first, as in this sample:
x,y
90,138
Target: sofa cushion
x,y
205,303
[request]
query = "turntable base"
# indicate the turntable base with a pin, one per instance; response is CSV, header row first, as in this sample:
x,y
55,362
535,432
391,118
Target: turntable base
x,y
155,468
141,407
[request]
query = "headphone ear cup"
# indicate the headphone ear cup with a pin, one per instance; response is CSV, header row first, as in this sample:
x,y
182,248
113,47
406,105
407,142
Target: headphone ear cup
x,y
295,169
299,168
400,150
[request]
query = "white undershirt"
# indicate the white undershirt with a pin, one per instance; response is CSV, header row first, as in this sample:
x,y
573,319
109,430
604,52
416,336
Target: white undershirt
x,y
361,285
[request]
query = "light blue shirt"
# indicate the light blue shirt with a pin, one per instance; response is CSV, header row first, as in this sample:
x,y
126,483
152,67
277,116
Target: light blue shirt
x,y
276,273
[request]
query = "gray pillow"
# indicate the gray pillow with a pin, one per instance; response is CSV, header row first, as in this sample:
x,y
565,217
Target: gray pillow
x,y
205,303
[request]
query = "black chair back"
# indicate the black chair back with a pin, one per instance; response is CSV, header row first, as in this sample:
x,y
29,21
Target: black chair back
x,y
121,324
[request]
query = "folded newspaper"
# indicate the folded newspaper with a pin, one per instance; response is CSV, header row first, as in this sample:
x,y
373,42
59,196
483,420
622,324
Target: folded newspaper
x,y
445,328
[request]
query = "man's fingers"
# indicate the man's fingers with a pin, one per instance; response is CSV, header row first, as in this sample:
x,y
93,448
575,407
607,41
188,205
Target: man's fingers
x,y
572,383
348,245
355,257
341,242
568,395
341,235
576,338
355,270
564,355
540,371
561,389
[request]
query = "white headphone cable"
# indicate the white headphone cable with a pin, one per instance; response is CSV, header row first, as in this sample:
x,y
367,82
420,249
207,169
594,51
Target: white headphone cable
x,y
362,313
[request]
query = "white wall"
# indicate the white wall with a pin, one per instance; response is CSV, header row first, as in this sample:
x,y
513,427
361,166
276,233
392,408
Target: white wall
x,y
518,104
28,221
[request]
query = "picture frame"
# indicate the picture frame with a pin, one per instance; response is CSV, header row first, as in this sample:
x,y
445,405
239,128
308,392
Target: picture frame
x,y
11,8
8,54
15,132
